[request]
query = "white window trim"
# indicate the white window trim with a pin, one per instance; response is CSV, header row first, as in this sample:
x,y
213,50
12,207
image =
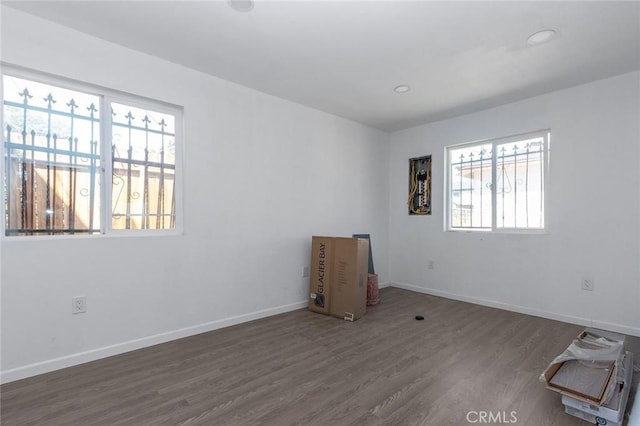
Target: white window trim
x,y
106,96
546,135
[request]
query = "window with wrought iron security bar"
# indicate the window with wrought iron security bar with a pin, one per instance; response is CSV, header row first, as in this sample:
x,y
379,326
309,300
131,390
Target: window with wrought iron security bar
x,y
498,185
81,160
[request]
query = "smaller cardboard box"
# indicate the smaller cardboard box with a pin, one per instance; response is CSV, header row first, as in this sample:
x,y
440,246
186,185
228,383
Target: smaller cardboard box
x,y
589,418
612,412
589,384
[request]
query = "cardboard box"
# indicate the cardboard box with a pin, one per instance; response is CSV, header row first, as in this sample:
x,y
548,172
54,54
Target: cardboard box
x,y
589,418
350,270
338,277
612,412
598,379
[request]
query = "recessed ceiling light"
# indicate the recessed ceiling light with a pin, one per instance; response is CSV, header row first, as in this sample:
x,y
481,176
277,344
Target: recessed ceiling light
x,y
540,37
241,5
403,88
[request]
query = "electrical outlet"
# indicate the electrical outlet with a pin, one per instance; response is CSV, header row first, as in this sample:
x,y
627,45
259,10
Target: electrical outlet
x,y
79,305
305,272
588,284
431,265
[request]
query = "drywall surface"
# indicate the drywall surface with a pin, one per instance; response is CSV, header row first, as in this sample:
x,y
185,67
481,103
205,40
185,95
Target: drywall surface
x,y
261,176
593,211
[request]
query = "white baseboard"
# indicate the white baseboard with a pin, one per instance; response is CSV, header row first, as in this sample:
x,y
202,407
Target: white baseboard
x,y
385,285
618,328
99,353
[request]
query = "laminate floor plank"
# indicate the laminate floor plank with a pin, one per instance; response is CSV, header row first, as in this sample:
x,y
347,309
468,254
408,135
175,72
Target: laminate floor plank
x,y
301,368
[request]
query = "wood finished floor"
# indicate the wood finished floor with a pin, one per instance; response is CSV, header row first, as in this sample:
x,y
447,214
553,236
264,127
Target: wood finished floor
x,y
309,369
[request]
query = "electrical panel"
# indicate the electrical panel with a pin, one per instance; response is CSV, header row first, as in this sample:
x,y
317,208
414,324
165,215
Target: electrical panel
x,y
420,185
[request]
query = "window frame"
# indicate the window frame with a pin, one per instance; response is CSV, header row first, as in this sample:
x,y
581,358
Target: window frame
x,y
107,96
546,136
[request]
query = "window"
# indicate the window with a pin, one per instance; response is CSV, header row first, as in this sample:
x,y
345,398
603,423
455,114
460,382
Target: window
x,y
498,185
60,145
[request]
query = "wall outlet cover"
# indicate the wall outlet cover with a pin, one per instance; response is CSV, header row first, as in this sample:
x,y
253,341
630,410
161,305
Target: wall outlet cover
x,y
588,284
79,305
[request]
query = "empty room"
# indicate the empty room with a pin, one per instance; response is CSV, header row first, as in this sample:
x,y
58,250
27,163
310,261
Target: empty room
x,y
255,212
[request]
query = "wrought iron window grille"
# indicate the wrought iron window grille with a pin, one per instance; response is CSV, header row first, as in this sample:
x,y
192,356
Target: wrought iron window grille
x,y
54,164
498,184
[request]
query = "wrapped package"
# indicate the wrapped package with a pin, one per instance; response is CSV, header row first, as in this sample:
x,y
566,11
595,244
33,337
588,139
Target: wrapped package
x,y
587,369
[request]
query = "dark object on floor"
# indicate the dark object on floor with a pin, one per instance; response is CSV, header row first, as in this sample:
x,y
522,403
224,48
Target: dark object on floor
x,y
419,317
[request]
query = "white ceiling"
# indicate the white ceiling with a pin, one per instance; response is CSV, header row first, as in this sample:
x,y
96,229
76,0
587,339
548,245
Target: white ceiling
x,y
346,57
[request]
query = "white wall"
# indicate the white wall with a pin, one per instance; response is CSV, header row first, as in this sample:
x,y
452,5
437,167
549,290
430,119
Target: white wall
x,y
594,211
261,176
314,173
